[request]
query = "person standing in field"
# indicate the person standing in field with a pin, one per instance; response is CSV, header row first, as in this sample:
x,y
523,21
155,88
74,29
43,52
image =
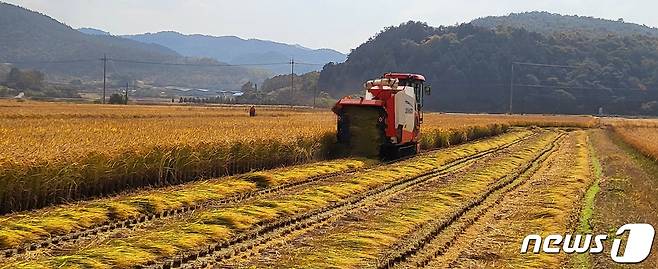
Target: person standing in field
x,y
252,111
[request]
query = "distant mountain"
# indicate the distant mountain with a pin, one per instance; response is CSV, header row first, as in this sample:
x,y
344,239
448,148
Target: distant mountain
x,y
93,31
236,50
29,39
545,22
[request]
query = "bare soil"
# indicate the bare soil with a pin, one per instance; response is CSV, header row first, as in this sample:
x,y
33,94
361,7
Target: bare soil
x,y
629,194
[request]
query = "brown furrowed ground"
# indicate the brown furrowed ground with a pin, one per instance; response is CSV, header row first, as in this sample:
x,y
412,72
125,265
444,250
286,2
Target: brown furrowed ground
x,y
628,192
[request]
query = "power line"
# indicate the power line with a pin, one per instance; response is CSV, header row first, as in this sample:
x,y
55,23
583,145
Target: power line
x,y
292,81
579,88
104,75
158,63
114,67
51,62
511,84
209,65
192,64
546,65
302,63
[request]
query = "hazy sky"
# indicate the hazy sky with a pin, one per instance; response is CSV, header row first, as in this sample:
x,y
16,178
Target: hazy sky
x,y
337,24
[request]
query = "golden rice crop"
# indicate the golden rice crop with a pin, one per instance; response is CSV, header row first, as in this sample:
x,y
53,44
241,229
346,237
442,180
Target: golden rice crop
x,y
55,152
628,122
643,139
458,121
52,152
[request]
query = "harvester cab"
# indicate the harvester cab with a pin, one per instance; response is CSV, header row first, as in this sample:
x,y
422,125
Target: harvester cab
x,y
386,121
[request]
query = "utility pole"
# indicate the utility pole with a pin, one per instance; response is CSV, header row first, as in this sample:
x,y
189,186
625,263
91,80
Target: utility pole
x,y
511,90
104,74
292,82
315,94
127,87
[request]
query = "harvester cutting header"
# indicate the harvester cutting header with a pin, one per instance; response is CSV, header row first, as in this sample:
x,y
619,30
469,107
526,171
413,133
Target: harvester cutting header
x,y
386,121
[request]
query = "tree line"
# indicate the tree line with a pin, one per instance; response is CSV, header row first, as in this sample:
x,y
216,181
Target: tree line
x,y
469,68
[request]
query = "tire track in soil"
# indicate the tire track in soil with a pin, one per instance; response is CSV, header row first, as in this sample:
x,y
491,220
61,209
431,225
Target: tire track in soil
x,y
441,237
291,226
477,242
281,237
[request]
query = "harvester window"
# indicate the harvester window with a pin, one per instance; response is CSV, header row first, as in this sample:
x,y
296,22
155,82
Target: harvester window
x,y
418,91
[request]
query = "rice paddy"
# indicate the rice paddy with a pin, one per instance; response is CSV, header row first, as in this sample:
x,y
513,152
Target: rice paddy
x,y
91,186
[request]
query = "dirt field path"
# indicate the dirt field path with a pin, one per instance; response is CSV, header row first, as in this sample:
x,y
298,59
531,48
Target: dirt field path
x,y
629,194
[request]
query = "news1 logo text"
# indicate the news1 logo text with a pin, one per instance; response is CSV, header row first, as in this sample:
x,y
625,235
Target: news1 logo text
x,y
637,244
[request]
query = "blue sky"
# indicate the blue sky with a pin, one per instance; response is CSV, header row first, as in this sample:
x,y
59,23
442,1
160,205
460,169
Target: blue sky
x,y
336,24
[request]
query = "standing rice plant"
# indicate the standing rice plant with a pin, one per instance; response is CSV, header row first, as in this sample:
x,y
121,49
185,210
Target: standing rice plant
x,y
55,153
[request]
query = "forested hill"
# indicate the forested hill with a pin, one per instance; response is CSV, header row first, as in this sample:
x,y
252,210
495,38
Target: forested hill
x,y
546,23
29,39
469,68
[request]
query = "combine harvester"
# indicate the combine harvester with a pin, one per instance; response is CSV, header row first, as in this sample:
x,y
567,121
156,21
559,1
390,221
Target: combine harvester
x,y
386,122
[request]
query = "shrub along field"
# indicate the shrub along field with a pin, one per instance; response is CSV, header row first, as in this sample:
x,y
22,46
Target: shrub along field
x,y
53,152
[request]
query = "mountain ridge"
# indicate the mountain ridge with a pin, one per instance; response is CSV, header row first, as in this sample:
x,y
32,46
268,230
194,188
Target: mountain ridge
x,y
34,40
92,31
237,50
546,22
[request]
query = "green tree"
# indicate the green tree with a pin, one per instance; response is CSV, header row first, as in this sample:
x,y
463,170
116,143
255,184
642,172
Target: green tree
x,y
25,80
116,99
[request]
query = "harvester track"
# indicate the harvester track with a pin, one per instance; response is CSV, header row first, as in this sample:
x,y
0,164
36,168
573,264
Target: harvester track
x,y
415,252
109,227
285,227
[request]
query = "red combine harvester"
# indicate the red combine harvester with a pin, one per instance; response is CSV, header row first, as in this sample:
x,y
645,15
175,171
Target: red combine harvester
x,y
386,122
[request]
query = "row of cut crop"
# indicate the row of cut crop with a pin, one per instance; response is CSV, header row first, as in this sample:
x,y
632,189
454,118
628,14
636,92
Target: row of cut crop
x,y
392,226
205,225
